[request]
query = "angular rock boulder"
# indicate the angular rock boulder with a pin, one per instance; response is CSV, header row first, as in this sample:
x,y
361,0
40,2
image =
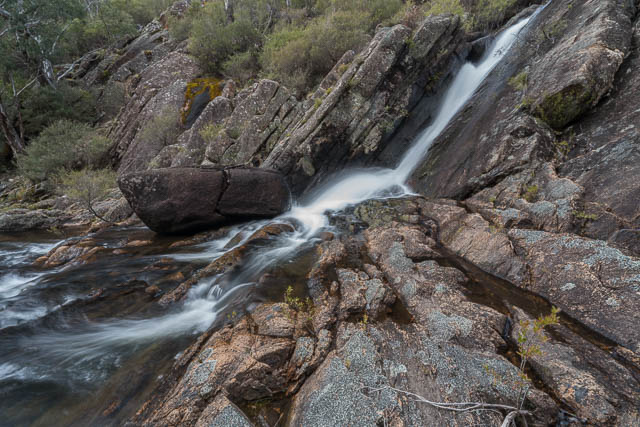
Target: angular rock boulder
x,y
574,75
175,200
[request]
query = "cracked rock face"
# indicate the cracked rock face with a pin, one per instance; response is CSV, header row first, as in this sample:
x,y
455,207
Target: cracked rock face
x,y
182,199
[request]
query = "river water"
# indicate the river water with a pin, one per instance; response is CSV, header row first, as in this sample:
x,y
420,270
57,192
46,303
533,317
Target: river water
x,y
84,344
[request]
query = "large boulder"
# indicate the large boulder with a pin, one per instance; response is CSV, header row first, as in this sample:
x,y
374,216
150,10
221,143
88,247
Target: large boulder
x,y
574,75
177,200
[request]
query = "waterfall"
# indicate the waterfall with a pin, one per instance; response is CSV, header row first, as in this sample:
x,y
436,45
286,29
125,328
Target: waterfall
x,y
206,300
358,186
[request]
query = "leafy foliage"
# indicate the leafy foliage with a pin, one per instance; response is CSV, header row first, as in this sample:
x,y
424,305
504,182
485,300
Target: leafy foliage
x,y
298,306
87,186
295,41
46,105
63,145
35,35
242,67
301,57
214,39
165,127
520,81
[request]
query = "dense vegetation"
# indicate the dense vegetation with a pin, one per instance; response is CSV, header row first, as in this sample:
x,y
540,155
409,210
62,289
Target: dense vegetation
x,y
39,41
293,41
48,120
298,41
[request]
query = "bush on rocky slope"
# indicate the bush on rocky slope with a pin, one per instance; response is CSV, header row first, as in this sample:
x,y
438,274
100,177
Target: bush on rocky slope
x,y
478,15
63,145
41,42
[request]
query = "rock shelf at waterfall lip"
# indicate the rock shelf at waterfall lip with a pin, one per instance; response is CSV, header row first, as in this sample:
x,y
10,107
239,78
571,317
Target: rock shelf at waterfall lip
x,y
182,200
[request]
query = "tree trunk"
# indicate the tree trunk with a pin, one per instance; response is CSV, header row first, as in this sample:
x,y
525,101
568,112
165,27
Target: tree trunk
x,y
228,8
13,137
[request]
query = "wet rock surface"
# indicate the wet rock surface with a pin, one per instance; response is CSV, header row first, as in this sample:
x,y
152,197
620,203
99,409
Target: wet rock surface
x,y
349,120
183,199
529,200
429,295
26,207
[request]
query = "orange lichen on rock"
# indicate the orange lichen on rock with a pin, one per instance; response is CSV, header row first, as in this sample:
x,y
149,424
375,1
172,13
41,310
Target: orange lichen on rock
x,y
197,87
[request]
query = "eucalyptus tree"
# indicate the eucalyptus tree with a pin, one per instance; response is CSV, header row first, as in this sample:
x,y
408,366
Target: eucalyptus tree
x,y
30,34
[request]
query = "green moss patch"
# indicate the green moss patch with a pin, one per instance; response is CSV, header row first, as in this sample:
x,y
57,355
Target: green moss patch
x,y
561,108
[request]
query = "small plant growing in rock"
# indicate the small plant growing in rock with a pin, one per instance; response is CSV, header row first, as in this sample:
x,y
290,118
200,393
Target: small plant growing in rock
x,y
210,132
525,104
164,127
584,215
297,305
232,316
563,147
530,337
520,81
234,133
531,193
87,186
552,31
364,321
343,68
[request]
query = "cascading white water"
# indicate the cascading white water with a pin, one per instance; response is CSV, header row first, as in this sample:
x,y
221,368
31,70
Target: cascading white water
x,y
363,185
207,299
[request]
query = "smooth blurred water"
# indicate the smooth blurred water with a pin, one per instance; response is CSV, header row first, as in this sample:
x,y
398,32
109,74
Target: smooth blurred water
x,y
49,335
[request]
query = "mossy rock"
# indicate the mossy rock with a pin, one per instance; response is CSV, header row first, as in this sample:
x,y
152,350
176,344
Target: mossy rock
x,y
377,213
560,108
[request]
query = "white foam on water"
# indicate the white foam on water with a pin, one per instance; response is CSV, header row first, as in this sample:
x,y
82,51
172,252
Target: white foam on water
x,y
12,284
352,188
207,299
9,371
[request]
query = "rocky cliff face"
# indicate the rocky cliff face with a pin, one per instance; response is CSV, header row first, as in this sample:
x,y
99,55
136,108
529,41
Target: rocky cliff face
x,y
528,200
348,120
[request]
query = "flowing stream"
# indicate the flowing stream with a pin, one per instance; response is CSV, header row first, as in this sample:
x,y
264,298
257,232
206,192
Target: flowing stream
x,y
60,344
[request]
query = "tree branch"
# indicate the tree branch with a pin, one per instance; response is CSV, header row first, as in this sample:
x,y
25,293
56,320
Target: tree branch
x,y
96,214
71,66
4,13
27,86
55,42
10,134
511,416
462,406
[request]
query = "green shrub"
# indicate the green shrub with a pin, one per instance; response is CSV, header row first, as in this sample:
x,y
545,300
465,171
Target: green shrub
x,y
410,15
300,58
477,15
45,106
86,186
63,145
213,39
241,67
143,11
111,24
180,27
210,132
165,127
437,7
489,14
112,99
520,81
